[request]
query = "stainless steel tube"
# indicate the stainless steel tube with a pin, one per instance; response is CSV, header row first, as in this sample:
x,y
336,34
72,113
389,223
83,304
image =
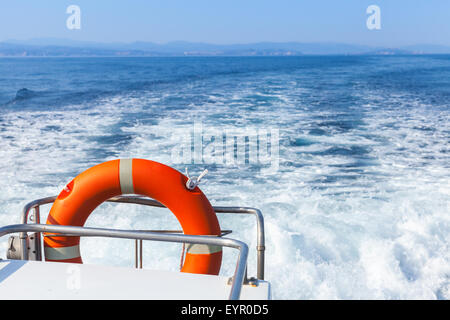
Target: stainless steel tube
x,y
239,274
260,247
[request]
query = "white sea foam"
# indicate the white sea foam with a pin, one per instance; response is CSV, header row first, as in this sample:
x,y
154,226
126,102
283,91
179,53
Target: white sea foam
x,y
337,226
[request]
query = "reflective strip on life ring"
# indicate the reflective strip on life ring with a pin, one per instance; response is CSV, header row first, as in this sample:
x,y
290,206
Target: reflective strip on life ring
x,y
61,253
126,176
202,249
135,176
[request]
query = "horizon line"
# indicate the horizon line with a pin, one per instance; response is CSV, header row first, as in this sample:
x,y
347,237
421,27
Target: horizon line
x,y
387,46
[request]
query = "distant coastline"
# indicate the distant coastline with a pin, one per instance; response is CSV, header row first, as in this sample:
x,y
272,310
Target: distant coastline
x,y
68,48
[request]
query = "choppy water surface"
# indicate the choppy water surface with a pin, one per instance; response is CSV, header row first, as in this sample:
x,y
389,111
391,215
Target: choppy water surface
x,y
358,209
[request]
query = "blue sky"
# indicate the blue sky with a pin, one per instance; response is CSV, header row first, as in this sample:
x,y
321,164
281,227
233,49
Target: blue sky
x,y
403,22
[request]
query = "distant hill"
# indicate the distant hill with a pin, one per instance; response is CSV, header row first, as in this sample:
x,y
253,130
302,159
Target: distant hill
x,y
428,48
66,48
22,50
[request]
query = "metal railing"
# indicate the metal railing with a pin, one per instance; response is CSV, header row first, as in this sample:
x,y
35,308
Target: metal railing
x,y
260,243
240,275
241,265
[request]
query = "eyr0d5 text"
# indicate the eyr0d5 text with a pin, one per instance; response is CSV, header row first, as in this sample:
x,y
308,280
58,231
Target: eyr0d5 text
x,y
247,309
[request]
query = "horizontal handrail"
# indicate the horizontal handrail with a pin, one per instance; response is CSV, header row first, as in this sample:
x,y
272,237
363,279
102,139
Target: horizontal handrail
x,y
223,233
241,265
260,247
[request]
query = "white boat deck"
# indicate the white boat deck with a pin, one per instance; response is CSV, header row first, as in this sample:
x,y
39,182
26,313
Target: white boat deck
x,y
21,279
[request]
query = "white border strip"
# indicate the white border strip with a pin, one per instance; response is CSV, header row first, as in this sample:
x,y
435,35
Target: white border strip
x,y
126,176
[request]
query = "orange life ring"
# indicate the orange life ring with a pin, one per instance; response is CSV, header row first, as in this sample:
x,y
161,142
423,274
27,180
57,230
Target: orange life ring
x,y
135,176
